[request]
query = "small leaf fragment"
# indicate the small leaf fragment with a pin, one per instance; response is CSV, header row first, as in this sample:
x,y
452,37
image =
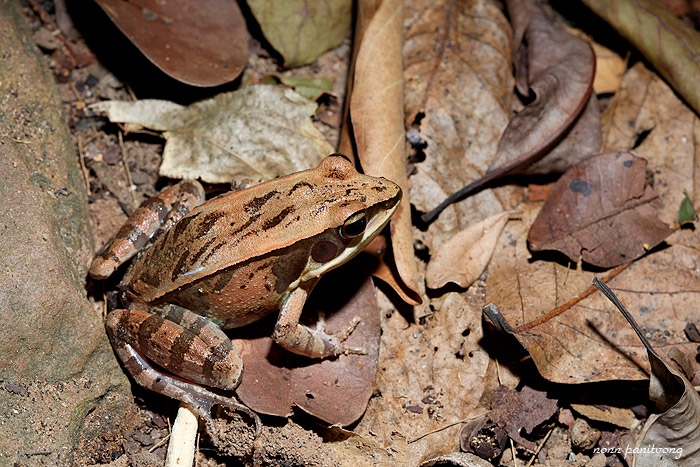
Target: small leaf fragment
x,y
600,211
686,211
464,257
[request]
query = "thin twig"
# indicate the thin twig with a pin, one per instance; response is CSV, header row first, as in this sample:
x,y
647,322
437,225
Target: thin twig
x,y
539,448
449,425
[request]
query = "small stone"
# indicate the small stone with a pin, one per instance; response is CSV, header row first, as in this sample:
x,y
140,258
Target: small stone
x,y
583,437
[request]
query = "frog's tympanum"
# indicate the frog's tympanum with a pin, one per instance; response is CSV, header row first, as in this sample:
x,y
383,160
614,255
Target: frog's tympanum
x,y
229,262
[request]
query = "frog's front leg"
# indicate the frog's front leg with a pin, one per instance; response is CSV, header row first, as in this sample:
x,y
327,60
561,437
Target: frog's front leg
x,y
187,345
160,211
316,343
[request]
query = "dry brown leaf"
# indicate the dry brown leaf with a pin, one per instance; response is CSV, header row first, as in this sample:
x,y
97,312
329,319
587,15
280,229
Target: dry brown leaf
x,y
334,390
601,211
376,111
259,132
202,43
556,68
464,257
458,103
671,437
648,116
567,334
566,328
526,409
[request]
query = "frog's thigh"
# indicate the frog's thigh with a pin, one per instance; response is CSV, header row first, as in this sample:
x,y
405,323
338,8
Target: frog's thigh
x,y
297,338
160,211
180,341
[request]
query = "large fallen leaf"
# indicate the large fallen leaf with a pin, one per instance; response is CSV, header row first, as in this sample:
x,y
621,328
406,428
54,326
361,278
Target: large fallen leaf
x,y
301,30
202,43
669,438
457,104
551,306
556,68
376,112
552,310
464,257
601,211
648,117
259,132
334,390
672,47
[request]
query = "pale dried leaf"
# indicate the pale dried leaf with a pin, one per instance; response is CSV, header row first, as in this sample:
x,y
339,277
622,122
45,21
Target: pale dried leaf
x,y
464,257
430,375
376,111
259,132
301,30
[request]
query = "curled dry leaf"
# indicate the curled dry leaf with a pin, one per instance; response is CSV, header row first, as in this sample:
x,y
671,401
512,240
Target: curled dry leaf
x,y
558,69
671,46
259,132
668,438
202,43
334,390
376,113
300,30
600,211
464,257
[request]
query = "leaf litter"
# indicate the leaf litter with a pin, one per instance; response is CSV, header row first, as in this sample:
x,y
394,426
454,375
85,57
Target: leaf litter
x,y
419,389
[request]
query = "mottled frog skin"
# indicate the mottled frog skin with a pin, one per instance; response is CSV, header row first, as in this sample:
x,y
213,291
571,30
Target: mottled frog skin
x,y
231,261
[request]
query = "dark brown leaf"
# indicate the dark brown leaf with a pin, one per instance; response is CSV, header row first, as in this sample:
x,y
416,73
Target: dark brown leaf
x,y
558,69
202,43
525,409
601,211
334,390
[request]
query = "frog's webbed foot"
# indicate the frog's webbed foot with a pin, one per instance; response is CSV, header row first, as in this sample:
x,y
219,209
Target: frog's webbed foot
x,y
199,398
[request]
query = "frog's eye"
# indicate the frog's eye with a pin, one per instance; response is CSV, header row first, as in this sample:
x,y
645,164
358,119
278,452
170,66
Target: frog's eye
x,y
354,226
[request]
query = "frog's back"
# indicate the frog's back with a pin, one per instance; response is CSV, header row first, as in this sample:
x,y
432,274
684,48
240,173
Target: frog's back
x,y
238,226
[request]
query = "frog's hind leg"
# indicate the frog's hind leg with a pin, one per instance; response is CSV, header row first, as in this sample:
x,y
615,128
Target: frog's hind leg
x,y
185,344
161,211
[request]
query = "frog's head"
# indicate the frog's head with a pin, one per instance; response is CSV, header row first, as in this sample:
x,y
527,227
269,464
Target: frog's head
x,y
353,208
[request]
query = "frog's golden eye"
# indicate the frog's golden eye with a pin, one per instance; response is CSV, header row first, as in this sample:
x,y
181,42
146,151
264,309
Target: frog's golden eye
x,y
354,226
